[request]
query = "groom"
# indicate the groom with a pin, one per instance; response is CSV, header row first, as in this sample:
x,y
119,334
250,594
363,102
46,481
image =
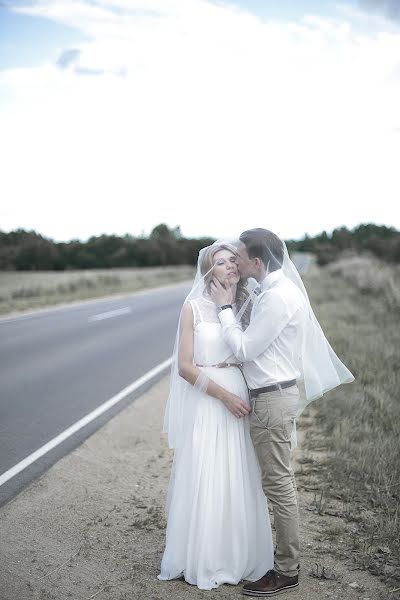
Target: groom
x,y
268,349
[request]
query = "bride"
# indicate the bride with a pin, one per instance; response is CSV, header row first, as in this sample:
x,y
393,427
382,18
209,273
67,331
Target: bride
x,y
218,527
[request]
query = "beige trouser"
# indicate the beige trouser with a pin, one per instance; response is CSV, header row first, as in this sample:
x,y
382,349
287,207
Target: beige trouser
x,y
271,425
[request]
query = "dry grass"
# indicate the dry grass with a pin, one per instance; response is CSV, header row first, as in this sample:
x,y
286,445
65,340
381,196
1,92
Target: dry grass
x,y
22,290
357,427
371,277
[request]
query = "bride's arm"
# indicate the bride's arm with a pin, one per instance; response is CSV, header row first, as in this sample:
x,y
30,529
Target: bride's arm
x,y
193,374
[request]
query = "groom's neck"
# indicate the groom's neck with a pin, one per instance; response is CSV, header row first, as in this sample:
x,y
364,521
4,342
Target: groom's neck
x,y
262,274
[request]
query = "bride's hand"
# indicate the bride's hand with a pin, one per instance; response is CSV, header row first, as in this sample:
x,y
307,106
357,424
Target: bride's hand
x,y
236,406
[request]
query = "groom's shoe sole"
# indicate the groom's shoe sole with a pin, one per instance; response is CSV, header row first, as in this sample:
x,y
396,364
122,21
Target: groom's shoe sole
x,y
288,588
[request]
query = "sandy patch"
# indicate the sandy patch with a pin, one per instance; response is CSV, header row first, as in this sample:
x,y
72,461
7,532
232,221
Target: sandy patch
x,y
93,525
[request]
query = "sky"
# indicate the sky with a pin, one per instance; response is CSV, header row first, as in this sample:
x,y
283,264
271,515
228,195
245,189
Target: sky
x,y
215,116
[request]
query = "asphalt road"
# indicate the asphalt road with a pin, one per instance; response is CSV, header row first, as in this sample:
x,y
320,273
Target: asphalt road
x,y
57,366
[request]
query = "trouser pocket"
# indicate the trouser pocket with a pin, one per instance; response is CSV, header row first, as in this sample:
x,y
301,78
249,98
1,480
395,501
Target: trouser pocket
x,y
275,413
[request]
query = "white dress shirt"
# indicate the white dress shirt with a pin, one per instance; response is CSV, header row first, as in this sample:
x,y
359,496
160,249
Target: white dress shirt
x,y
269,347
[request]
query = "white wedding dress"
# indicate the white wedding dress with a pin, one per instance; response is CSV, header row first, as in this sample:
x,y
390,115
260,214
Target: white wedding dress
x,y
218,523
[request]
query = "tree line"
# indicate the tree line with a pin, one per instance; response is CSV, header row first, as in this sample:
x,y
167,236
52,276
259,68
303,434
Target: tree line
x,y
378,240
28,250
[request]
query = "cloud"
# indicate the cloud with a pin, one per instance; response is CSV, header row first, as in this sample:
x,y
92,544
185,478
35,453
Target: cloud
x,y
390,8
71,59
68,58
221,121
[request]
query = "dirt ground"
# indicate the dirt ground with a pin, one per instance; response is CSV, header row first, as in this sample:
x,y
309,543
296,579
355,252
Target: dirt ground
x,y
93,525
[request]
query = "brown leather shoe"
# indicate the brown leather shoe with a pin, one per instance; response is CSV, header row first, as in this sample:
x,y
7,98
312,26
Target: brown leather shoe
x,y
270,584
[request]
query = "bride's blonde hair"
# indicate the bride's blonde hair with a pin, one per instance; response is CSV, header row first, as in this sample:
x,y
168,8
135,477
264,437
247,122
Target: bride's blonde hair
x,y
206,269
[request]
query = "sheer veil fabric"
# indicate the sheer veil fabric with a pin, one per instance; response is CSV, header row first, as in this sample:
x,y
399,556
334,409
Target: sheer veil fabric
x,y
320,369
218,529
180,408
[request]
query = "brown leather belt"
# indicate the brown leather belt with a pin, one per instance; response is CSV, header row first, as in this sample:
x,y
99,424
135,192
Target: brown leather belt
x,y
272,388
222,365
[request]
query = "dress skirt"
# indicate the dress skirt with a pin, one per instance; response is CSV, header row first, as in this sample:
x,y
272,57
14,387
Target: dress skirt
x,y
218,528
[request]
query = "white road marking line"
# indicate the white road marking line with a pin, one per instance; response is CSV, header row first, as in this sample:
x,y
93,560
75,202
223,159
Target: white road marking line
x,y
110,314
84,421
64,307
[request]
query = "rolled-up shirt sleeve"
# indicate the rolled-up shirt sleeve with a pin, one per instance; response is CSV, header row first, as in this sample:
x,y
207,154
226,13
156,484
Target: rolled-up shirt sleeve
x,y
270,317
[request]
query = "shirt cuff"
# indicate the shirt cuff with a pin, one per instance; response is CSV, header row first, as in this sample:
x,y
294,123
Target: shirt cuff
x,y
227,317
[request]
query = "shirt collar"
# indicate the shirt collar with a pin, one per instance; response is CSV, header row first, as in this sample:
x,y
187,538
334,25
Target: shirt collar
x,y
270,279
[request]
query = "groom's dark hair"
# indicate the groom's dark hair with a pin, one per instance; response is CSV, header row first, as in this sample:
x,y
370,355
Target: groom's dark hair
x,y
263,244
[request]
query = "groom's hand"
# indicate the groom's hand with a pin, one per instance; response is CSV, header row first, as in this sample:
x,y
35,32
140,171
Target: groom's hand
x,y
221,294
